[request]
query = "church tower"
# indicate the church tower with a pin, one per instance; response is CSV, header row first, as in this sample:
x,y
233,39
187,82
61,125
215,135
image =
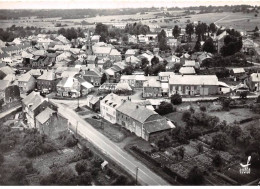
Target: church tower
x,y
89,45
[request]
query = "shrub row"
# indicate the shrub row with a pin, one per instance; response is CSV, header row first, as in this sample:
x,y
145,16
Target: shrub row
x,y
145,156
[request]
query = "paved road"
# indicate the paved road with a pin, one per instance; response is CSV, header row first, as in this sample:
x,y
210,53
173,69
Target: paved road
x,y
122,158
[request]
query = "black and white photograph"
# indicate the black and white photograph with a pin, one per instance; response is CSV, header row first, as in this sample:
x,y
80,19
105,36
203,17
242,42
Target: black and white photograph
x,y
129,93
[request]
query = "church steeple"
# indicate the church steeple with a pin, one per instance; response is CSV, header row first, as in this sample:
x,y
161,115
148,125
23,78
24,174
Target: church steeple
x,y
89,45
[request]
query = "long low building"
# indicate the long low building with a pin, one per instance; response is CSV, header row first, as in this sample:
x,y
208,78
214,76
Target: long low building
x,y
193,85
142,121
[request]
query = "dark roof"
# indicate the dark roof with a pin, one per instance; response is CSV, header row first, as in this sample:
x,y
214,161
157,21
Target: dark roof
x,y
156,125
135,111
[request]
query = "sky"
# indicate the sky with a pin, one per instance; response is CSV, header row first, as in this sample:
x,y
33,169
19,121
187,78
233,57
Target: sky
x,y
105,4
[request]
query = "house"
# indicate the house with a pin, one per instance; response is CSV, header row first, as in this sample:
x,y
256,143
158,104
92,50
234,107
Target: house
x,y
7,70
49,122
3,85
93,76
152,88
33,104
93,102
10,77
115,55
47,82
219,40
108,106
254,81
155,27
248,45
86,87
68,87
131,52
171,61
187,71
224,88
204,56
3,56
142,121
92,61
237,72
193,85
135,81
12,94
132,60
132,39
113,74
129,79
101,52
172,42
165,76
114,87
26,83
191,63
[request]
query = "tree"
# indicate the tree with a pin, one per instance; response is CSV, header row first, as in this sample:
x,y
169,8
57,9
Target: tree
x,y
1,159
212,28
236,132
197,47
200,148
232,44
176,99
195,176
144,63
217,161
176,31
258,99
125,38
128,70
243,94
163,44
189,30
181,152
80,167
102,30
165,108
103,78
220,141
209,46
154,60
186,116
120,181
161,35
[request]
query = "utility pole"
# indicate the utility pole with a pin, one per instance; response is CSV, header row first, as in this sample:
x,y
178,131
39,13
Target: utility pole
x,y
136,175
203,90
77,128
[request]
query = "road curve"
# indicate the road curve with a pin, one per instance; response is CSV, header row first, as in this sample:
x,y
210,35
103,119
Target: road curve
x,y
122,158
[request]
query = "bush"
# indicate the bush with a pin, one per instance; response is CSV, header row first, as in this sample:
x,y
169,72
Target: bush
x,y
243,95
186,116
1,159
176,99
71,141
220,141
258,99
80,167
165,108
195,177
217,161
203,108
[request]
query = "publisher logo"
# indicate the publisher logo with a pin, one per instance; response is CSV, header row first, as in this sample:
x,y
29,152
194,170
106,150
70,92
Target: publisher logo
x,y
245,167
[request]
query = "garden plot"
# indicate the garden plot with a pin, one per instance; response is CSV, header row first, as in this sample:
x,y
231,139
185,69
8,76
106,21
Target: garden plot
x,y
233,115
234,173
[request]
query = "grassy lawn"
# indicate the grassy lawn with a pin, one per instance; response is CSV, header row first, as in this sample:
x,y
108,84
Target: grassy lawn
x,y
176,117
113,131
234,114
